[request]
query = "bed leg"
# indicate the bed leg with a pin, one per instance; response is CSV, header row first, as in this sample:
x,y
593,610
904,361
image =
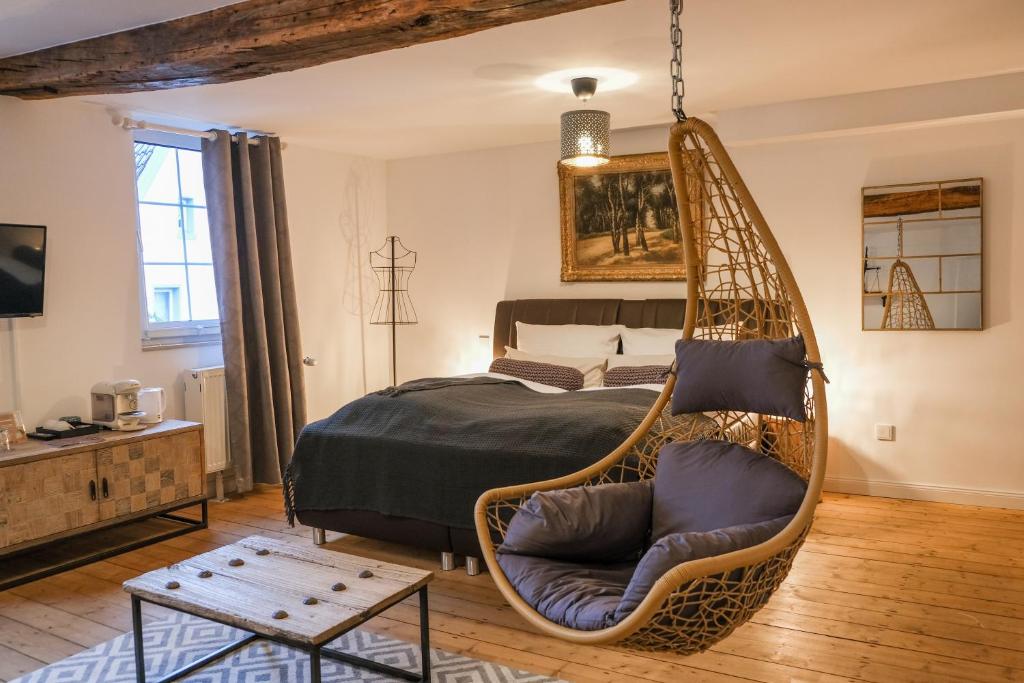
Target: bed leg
x,y
447,562
319,537
472,565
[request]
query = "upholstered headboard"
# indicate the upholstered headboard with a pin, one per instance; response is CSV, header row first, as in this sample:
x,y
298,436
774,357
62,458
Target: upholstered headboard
x,y
629,312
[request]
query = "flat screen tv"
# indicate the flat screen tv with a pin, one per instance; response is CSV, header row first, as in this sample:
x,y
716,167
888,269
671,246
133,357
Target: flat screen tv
x,y
22,266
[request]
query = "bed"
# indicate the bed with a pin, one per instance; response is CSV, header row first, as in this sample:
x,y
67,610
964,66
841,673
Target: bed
x,y
351,474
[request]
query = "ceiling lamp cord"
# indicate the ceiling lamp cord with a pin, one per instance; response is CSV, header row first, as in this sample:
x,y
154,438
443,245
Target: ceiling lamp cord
x,y
678,86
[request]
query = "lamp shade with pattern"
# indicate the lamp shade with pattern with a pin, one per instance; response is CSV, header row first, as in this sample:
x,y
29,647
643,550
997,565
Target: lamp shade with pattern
x,y
585,134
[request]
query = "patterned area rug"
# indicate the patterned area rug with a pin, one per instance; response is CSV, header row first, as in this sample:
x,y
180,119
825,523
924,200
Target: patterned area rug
x,y
181,639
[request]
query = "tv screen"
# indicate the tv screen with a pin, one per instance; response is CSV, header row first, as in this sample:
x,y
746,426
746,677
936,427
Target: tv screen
x,y
22,264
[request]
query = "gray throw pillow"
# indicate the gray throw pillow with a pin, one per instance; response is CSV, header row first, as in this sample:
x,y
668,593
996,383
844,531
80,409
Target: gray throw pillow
x,y
560,376
755,376
677,548
604,523
707,485
628,375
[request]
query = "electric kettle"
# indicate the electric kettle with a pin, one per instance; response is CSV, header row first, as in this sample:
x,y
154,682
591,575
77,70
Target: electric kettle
x,y
152,402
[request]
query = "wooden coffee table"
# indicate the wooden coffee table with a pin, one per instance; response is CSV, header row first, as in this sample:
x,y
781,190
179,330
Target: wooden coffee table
x,y
299,595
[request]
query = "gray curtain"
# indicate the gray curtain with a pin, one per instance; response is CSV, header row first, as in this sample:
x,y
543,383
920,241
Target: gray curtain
x,y
252,264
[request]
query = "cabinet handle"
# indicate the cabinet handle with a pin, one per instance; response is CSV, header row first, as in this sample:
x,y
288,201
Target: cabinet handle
x,y
106,488
92,489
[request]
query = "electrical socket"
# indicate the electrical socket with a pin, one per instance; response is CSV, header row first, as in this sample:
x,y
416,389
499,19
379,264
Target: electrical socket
x,y
885,432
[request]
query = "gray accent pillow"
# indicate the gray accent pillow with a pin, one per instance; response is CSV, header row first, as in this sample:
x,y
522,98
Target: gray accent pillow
x,y
755,376
627,375
677,548
559,376
602,523
708,485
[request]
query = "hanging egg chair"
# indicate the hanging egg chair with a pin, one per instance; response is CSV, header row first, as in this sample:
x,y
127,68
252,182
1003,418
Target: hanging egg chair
x,y
739,287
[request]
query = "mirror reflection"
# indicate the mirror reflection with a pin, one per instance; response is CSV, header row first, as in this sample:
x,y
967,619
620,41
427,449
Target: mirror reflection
x,y
922,256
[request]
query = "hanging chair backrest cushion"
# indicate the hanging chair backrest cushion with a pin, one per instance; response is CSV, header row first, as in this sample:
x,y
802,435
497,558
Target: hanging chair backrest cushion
x,y
675,549
708,485
603,523
764,376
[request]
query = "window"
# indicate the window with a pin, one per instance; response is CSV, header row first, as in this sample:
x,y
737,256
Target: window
x,y
179,297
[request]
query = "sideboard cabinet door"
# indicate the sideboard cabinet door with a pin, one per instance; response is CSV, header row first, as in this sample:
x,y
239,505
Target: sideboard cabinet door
x,y
47,497
146,474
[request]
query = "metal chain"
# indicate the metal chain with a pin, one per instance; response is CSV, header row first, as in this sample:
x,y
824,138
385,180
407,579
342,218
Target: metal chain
x,y
678,86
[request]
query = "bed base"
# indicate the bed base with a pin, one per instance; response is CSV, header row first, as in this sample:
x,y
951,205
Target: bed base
x,y
450,542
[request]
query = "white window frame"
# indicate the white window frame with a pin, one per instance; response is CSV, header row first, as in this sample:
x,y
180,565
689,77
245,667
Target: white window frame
x,y
170,334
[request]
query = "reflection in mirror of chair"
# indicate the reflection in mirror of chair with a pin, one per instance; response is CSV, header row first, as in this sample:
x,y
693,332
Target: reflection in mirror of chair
x,y
922,256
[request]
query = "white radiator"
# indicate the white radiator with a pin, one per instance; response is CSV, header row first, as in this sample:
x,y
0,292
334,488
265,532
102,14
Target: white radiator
x,y
206,401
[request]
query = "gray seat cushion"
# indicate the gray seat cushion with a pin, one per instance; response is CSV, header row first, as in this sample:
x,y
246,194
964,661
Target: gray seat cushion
x,y
567,552
603,523
677,548
576,595
764,376
708,485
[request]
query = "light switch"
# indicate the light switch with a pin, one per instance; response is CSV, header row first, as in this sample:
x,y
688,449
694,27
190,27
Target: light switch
x,y
885,432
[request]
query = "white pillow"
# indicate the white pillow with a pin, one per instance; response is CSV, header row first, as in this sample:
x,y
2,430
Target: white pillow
x,y
622,360
568,340
592,368
639,341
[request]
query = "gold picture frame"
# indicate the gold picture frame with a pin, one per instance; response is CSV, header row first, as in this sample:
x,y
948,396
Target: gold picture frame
x,y
620,221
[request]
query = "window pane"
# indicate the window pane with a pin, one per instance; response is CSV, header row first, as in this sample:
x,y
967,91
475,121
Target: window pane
x,y
204,293
161,234
192,191
197,235
166,294
156,173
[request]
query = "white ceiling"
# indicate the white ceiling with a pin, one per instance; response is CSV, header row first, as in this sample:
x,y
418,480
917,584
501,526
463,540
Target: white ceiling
x,y
477,92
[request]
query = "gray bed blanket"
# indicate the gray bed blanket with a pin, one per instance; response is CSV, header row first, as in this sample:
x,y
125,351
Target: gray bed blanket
x,y
427,449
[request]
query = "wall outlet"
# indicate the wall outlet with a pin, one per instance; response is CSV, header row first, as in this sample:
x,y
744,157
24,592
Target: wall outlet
x,y
885,432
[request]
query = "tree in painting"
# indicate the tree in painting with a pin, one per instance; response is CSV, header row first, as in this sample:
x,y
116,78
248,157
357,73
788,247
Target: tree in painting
x,y
626,218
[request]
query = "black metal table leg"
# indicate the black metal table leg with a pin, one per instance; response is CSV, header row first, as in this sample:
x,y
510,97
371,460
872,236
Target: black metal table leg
x,y
425,634
140,657
314,665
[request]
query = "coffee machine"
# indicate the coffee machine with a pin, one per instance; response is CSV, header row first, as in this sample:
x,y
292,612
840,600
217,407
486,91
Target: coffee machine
x,y
115,405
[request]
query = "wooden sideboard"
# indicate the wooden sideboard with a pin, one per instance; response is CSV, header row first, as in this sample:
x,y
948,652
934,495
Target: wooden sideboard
x,y
49,492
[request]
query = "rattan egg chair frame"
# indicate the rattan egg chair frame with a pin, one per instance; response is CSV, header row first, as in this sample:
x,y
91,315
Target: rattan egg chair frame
x,y
738,286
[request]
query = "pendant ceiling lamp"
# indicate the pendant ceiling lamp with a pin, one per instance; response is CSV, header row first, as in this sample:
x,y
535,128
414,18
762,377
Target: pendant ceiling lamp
x,y
585,132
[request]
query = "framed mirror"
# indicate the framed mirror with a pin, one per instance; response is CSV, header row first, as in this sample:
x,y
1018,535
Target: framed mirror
x,y
922,257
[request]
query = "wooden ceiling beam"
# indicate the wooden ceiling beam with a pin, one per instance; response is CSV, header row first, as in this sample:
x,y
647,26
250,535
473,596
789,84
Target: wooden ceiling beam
x,y
255,38
952,197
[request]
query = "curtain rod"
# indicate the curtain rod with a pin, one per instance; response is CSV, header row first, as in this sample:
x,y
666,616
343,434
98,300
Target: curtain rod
x,y
135,124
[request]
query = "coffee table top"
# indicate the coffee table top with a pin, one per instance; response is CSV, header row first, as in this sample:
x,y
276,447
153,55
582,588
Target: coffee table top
x,y
268,592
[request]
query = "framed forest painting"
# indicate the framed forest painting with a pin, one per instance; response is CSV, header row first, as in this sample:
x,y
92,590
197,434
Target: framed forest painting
x,y
620,221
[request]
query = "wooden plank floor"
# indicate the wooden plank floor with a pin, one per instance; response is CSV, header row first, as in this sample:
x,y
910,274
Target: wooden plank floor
x,y
884,590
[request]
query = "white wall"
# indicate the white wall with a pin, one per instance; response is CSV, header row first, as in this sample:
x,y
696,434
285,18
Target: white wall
x,y
63,165
336,214
486,226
